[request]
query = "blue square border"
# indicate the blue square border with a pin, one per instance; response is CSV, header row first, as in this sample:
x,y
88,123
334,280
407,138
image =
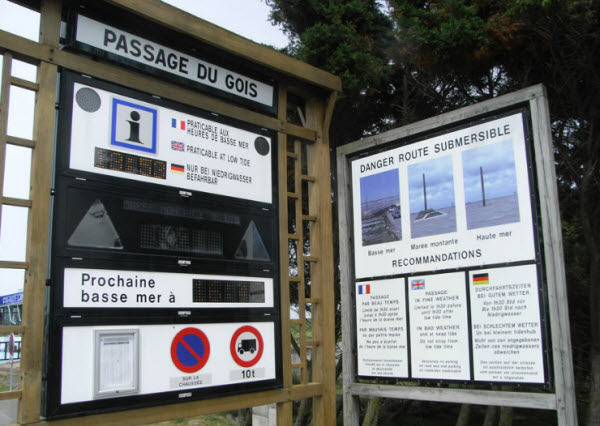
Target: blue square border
x,y
113,129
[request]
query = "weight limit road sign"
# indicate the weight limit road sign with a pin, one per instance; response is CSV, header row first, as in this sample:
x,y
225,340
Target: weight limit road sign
x,y
246,346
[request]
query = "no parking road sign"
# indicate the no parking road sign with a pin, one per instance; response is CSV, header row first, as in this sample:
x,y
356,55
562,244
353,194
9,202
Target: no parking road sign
x,y
190,350
246,346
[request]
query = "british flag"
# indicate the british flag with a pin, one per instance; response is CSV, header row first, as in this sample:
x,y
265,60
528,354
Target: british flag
x,y
177,146
417,284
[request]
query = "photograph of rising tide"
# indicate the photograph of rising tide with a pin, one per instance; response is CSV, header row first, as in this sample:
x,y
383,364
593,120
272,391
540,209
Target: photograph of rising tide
x,y
380,208
431,194
490,185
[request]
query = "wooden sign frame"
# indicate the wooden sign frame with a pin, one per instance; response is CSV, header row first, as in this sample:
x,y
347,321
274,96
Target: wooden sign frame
x,y
303,157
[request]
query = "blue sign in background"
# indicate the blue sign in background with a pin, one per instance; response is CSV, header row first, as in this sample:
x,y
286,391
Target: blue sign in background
x,y
11,299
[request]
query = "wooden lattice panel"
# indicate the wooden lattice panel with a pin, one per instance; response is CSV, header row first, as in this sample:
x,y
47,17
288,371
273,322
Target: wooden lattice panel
x,y
303,146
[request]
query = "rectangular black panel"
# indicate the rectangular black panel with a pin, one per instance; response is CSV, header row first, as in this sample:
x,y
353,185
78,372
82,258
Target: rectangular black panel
x,y
219,291
101,222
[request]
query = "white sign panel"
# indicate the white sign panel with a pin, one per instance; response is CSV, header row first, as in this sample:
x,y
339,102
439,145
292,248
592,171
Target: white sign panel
x,y
103,288
124,137
505,316
148,53
455,200
439,329
381,328
175,357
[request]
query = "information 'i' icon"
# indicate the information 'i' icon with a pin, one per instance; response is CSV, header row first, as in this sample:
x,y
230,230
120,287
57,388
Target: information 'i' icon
x,y
134,126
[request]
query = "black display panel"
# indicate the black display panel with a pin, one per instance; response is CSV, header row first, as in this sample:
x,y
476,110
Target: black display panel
x,y
219,291
100,222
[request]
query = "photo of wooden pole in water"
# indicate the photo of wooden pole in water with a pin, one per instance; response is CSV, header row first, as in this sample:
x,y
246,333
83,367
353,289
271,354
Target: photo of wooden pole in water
x,y
380,208
490,180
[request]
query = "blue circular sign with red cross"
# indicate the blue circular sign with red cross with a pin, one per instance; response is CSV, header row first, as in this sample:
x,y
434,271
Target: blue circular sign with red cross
x,y
190,350
246,346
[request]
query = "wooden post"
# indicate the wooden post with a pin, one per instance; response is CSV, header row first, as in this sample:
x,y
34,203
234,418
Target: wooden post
x,y
284,409
351,401
37,236
323,313
566,404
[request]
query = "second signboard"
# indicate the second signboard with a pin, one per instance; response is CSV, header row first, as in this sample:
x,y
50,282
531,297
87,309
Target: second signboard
x,y
447,281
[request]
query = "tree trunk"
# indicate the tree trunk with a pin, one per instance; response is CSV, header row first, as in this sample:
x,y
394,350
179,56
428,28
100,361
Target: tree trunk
x,y
303,409
589,209
372,414
506,416
490,415
244,417
464,415
593,412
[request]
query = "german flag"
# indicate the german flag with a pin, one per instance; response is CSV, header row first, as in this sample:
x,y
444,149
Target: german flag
x,y
481,279
177,169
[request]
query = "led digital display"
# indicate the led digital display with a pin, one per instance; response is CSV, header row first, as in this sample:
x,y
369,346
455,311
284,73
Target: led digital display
x,y
217,291
128,163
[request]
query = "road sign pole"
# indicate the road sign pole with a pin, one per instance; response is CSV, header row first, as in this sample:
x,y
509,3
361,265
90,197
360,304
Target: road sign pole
x,y
10,386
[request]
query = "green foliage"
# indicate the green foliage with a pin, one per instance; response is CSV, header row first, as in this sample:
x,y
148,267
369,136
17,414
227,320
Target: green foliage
x,y
428,57
345,37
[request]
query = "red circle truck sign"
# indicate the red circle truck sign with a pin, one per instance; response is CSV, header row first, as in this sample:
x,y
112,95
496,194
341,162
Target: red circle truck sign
x,y
246,346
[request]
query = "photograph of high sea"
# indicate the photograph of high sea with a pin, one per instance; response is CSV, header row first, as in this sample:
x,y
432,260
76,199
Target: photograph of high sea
x,y
490,181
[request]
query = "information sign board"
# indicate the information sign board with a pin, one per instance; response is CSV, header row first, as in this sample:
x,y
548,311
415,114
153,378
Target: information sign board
x,y
445,259
126,137
165,220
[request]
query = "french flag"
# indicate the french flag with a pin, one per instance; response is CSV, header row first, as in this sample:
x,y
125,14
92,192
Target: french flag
x,y
174,124
366,289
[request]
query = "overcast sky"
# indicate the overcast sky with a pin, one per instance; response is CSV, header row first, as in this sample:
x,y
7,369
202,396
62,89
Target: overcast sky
x,y
379,186
248,18
439,181
498,164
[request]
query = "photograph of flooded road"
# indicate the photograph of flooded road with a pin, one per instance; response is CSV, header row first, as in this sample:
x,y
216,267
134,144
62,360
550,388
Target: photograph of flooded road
x,y
380,208
490,181
431,193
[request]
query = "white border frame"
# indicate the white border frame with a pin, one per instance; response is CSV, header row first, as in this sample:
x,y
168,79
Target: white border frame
x,y
134,334
563,400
